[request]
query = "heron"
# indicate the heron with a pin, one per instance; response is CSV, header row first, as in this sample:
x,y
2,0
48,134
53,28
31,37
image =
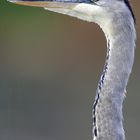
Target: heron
x,y
117,21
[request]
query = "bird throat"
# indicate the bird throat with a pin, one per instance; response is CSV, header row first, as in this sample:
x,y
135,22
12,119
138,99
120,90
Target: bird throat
x,y
99,88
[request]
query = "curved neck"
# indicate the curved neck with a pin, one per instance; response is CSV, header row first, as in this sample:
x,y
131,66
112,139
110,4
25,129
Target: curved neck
x,y
107,108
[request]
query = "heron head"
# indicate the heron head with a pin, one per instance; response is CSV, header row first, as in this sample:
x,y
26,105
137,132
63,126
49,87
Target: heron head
x,y
98,11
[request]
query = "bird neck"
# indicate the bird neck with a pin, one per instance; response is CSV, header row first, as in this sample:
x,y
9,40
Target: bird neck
x,y
107,108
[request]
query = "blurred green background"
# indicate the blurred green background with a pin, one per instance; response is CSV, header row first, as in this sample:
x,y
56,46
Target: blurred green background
x,y
49,69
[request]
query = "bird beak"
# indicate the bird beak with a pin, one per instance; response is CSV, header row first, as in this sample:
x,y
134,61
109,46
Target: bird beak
x,y
46,4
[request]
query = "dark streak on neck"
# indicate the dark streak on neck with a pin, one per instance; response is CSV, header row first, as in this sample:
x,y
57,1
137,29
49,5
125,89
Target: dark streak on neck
x,y
130,8
101,82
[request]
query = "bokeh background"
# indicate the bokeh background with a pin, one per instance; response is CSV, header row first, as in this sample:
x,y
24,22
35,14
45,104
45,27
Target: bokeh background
x,y
49,69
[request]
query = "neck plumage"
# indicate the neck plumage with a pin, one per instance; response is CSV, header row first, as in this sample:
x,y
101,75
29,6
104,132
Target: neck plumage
x,y
107,108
